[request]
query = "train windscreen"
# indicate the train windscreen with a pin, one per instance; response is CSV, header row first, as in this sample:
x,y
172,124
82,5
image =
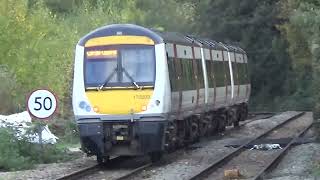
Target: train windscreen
x,y
119,66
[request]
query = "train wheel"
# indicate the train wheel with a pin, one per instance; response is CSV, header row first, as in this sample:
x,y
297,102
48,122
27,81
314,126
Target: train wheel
x,y
222,123
181,133
155,156
214,125
236,124
204,126
245,112
237,118
102,160
194,131
171,136
231,116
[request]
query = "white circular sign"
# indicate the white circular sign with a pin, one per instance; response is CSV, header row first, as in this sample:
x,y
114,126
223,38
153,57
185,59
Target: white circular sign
x,y
42,104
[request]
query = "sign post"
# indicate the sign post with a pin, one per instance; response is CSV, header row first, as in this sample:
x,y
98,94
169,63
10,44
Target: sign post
x,y
42,104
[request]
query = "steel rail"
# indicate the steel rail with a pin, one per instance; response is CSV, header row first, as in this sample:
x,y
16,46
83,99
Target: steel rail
x,y
88,170
261,113
277,159
247,121
218,163
134,172
255,116
80,173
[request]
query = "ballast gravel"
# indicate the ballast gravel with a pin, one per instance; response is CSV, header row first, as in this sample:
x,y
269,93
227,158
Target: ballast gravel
x,y
188,164
299,163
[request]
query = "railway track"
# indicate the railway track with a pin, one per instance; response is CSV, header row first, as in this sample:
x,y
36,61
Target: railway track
x,y
215,166
81,174
94,169
275,161
134,172
257,116
88,170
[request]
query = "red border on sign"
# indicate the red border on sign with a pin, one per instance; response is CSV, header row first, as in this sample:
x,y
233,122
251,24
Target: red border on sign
x,y
54,112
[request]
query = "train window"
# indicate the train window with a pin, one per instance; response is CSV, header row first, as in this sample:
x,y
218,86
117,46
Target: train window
x,y
235,73
190,75
97,71
219,73
194,73
240,73
227,72
134,62
122,65
247,74
210,73
187,74
172,74
200,73
244,73
183,77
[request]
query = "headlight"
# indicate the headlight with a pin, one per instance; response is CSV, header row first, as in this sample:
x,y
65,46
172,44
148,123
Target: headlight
x,y
88,108
82,105
85,106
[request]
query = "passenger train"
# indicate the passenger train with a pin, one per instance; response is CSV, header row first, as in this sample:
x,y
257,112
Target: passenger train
x,y
138,91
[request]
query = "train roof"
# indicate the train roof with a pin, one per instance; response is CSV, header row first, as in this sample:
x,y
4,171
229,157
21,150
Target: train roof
x,y
157,36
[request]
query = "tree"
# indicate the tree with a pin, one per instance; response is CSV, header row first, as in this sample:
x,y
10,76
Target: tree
x,y
302,31
252,24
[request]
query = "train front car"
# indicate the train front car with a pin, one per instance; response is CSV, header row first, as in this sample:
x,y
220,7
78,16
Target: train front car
x,y
120,92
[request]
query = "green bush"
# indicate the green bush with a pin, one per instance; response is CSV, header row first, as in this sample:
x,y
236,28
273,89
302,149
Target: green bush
x,y
10,156
18,154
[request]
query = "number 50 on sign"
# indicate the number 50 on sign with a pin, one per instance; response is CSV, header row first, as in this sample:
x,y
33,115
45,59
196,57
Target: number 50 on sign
x,y
42,104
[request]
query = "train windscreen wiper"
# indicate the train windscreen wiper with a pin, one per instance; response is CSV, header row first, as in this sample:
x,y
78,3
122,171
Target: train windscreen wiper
x,y
131,78
108,78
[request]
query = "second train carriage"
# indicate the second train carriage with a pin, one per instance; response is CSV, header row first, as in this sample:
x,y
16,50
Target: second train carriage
x,y
137,91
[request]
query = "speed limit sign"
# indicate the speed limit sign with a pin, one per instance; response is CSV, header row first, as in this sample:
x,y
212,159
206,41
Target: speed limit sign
x,y
42,104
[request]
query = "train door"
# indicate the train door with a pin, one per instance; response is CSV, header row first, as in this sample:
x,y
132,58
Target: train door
x,y
174,77
247,80
195,74
204,57
177,65
220,78
229,77
235,69
200,78
242,77
210,77
185,56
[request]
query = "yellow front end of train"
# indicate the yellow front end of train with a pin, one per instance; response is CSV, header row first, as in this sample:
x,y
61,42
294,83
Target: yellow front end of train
x,y
119,73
